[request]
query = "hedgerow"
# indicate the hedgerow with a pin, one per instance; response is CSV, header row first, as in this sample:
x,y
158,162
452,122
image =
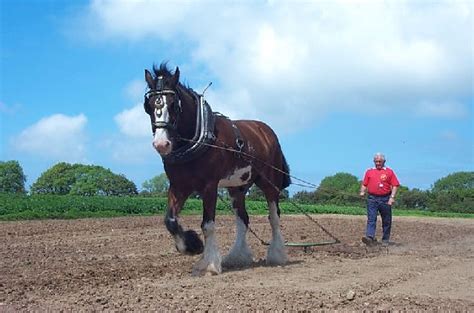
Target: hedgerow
x,y
22,207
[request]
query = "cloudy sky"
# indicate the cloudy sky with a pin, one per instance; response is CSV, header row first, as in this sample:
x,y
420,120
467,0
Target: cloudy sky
x,y
337,80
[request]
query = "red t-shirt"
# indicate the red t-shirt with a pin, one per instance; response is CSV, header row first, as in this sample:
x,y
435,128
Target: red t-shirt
x,y
380,182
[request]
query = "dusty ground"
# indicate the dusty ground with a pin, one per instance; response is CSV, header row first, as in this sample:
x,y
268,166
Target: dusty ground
x,y
131,264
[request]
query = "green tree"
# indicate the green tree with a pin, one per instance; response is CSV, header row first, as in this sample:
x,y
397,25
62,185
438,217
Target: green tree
x,y
459,200
12,178
157,185
458,180
57,180
305,197
340,182
78,179
255,194
340,189
453,193
412,199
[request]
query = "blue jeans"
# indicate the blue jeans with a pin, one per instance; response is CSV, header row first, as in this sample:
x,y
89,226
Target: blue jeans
x,y
377,204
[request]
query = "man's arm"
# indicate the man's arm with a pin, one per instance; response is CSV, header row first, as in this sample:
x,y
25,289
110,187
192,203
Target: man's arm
x,y
392,195
363,189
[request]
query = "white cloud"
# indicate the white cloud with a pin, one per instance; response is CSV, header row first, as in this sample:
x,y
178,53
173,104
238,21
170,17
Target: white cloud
x,y
290,63
135,90
58,137
133,143
134,122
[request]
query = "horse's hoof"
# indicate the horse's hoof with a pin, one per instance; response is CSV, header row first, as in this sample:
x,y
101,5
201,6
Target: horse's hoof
x,y
276,257
202,268
197,273
209,270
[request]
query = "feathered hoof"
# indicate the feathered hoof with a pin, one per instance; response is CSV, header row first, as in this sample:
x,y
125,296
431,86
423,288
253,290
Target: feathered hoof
x,y
276,256
193,243
203,268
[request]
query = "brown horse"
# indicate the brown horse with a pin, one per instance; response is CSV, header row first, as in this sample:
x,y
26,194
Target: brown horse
x,y
203,151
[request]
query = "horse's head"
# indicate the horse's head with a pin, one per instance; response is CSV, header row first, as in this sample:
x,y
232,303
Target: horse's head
x,y
163,104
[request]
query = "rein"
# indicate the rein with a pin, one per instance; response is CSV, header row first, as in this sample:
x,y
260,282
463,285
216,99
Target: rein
x,y
289,244
245,154
204,139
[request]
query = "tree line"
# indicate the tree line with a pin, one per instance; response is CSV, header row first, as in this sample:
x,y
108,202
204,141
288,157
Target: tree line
x,y
453,193
66,179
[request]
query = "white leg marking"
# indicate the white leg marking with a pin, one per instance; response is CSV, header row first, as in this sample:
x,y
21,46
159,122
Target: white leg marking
x,y
240,254
276,253
210,261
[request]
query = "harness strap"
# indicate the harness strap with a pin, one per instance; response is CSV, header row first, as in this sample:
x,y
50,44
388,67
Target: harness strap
x,y
238,138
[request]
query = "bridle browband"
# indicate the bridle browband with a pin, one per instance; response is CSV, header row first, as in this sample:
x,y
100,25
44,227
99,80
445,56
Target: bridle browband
x,y
159,105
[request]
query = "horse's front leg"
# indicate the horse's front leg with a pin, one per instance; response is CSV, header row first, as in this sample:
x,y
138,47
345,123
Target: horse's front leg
x,y
187,242
210,261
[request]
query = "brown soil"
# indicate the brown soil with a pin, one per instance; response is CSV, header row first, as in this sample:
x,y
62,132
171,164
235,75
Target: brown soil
x,y
131,264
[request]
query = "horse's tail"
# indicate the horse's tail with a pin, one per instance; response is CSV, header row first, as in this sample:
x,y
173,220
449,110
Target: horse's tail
x,y
286,173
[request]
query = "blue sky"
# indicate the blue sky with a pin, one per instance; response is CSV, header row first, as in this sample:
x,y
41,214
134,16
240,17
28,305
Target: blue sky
x,y
337,80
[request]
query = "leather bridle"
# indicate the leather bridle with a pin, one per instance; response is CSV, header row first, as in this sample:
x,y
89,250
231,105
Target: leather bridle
x,y
158,106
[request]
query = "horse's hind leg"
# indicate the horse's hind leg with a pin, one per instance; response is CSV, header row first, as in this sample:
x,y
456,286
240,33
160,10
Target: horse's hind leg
x,y
240,254
276,253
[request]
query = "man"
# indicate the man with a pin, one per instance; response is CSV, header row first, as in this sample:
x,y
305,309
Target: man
x,y
382,184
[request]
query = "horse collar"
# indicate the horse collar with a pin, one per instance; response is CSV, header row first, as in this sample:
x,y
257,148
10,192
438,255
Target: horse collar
x,y
203,137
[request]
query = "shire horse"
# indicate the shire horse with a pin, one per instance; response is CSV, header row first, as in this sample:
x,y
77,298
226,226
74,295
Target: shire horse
x,y
203,151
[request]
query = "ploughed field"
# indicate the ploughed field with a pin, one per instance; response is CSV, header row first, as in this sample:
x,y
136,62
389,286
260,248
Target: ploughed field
x,y
131,264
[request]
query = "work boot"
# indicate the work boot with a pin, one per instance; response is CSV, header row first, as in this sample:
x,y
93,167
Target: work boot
x,y
369,241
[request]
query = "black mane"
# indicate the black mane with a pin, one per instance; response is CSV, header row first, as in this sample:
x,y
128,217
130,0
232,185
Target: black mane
x,y
163,70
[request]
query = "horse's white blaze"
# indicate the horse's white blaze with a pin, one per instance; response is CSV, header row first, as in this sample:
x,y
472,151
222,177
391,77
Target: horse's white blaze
x,y
161,134
276,253
211,258
239,177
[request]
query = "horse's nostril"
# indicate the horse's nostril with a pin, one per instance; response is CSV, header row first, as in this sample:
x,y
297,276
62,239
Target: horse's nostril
x,y
162,146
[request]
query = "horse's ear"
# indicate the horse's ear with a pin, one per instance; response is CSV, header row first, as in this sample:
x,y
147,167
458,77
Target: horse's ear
x,y
175,79
149,79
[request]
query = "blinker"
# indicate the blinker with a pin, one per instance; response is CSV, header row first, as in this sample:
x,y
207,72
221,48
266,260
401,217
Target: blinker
x,y
159,103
